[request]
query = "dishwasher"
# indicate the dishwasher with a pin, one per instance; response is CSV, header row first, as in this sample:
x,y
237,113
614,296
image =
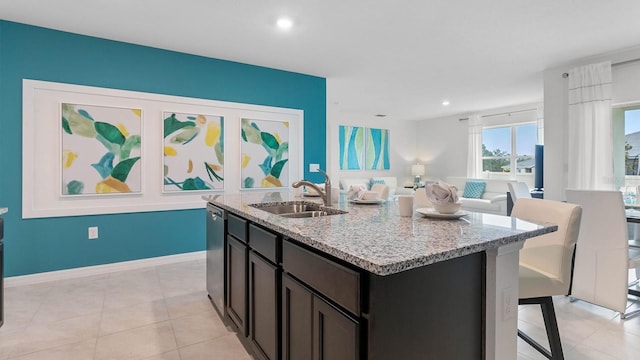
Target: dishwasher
x,y
216,223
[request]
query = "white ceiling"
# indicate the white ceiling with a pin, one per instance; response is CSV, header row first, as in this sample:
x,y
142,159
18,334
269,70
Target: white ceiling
x,y
399,58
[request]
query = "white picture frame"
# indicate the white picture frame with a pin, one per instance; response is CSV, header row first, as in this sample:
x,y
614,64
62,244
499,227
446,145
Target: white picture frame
x,y
41,178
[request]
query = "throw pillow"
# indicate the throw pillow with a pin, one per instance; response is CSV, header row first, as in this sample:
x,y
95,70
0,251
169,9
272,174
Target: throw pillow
x,y
474,189
376,181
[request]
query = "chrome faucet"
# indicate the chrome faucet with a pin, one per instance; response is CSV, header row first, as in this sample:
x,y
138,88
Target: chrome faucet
x,y
326,194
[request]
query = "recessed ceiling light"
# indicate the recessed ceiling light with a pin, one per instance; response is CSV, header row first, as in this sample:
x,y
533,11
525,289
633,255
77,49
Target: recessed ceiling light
x,y
445,103
284,23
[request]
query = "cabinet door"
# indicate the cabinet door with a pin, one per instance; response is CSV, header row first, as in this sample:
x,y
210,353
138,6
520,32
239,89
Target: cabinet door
x,y
263,306
297,312
335,334
237,253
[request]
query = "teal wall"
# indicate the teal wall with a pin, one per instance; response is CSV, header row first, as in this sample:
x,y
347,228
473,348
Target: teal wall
x,y
28,52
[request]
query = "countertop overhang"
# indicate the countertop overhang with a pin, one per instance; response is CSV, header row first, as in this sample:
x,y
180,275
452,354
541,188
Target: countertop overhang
x,y
376,238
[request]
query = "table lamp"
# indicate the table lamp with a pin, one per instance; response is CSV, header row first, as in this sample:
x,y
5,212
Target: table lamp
x,y
417,170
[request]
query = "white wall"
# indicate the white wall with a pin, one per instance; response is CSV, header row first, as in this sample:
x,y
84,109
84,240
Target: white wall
x,y
402,145
626,87
442,147
443,143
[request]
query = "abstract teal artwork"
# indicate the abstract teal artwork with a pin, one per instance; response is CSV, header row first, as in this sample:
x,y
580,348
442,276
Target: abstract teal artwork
x,y
351,139
377,149
100,150
265,153
193,152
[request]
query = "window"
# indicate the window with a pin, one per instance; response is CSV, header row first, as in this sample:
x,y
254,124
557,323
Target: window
x,y
631,141
626,146
505,148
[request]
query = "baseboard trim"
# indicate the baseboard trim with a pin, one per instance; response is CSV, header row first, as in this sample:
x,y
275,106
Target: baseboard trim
x,y
101,269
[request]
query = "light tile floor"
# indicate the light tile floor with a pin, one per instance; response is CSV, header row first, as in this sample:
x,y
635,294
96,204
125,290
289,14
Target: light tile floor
x,y
163,313
586,331
154,313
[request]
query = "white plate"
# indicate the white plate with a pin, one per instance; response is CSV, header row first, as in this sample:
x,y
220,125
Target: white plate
x,y
433,213
374,201
311,194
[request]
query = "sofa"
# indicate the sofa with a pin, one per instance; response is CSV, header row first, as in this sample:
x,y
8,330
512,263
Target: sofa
x,y
493,199
390,181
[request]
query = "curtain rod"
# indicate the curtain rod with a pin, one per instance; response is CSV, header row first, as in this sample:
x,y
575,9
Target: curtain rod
x,y
566,75
508,113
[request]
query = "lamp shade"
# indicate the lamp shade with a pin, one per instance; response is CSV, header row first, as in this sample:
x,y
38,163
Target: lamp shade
x,y
417,170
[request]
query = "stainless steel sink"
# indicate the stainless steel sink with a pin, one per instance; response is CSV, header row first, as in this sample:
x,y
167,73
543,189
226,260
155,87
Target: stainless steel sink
x,y
306,214
297,209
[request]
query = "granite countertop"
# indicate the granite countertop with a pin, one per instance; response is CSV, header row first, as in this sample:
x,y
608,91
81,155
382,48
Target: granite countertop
x,y
376,238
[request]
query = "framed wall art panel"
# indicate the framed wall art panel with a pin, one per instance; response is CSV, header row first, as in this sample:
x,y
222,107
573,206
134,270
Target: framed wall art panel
x,y
264,153
351,140
377,149
193,152
100,150
89,150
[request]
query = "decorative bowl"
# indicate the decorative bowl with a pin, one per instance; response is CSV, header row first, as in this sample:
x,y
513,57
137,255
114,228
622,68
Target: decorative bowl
x,y
447,208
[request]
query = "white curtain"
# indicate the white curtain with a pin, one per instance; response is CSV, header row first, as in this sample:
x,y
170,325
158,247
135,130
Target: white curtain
x,y
474,157
590,138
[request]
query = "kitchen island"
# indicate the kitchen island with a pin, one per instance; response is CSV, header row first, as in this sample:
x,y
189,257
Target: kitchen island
x,y
369,284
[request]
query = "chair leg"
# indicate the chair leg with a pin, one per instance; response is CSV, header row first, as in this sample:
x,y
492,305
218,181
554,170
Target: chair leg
x,y
627,315
551,326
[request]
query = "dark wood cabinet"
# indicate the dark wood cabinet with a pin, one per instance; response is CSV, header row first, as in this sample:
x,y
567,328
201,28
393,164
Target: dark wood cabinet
x,y
290,301
297,314
253,286
264,278
237,253
335,334
314,329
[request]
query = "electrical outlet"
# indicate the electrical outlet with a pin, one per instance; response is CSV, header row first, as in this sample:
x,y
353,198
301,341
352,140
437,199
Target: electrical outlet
x,y
93,232
507,304
314,167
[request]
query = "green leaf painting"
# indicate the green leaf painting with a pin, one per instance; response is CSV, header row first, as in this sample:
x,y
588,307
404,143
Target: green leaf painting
x,y
109,132
276,170
193,152
100,150
251,132
172,124
121,171
265,153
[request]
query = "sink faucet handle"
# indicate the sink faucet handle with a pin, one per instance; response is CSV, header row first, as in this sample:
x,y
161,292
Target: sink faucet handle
x,y
327,188
327,180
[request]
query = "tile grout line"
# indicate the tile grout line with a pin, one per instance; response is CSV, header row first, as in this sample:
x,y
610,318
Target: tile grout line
x,y
164,300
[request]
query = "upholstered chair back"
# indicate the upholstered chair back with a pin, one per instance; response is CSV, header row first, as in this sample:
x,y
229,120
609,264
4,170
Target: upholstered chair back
x,y
548,258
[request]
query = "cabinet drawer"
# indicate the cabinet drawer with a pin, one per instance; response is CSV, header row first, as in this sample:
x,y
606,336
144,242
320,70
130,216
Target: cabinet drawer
x,y
237,227
264,242
329,278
